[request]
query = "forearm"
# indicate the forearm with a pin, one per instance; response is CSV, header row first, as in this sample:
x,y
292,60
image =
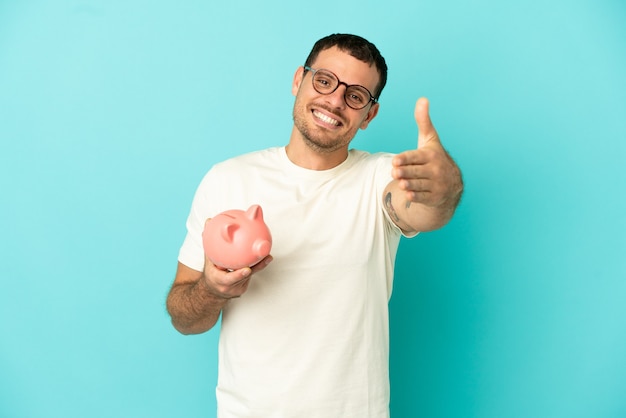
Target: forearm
x,y
425,218
193,308
418,217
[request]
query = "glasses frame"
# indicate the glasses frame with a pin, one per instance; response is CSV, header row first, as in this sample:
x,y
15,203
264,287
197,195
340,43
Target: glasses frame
x,y
339,83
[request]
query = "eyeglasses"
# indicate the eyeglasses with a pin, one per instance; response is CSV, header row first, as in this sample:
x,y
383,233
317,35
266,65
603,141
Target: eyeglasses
x,y
325,82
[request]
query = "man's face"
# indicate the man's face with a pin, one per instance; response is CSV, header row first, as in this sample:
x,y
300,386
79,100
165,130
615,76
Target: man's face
x,y
325,122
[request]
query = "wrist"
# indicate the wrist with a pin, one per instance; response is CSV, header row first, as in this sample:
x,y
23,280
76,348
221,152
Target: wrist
x,y
210,293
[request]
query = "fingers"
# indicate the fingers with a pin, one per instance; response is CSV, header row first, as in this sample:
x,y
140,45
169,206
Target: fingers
x,y
412,172
425,175
415,185
412,157
416,158
261,264
231,284
424,191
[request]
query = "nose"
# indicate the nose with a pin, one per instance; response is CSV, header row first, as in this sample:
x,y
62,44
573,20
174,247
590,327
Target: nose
x,y
337,97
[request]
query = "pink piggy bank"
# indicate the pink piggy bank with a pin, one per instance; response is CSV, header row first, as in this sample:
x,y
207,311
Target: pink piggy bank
x,y
235,238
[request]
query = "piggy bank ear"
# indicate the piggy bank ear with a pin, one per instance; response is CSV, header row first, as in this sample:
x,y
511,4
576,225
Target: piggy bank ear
x,y
254,213
228,231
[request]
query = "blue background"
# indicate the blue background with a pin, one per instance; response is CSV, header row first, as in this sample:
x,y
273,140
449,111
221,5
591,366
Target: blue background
x,y
111,112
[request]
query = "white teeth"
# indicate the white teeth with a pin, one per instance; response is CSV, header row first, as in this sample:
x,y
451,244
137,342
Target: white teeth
x,y
325,118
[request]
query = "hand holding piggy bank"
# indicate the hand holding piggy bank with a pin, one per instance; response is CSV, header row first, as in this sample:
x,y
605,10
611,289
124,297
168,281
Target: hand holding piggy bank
x,y
235,239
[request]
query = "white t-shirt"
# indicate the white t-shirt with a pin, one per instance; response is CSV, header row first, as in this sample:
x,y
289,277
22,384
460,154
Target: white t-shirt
x,y
310,337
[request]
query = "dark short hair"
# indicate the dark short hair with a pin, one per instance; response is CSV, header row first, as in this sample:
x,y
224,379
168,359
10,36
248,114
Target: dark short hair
x,y
360,48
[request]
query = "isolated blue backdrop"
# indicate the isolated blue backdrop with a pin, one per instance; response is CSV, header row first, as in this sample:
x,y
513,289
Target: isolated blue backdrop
x,y
111,112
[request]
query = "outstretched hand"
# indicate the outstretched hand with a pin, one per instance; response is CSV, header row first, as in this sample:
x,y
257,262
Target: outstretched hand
x,y
427,174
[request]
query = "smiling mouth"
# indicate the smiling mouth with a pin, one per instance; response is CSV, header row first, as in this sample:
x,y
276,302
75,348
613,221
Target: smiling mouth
x,y
326,119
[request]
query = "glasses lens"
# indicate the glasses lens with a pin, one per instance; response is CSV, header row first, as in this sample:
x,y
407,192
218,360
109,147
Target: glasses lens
x,y
325,82
357,97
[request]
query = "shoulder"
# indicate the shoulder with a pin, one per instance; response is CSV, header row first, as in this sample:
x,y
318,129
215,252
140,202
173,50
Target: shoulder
x,y
376,167
245,166
374,160
251,159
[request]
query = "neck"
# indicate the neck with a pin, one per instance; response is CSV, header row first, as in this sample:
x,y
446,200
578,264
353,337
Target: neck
x,y
306,155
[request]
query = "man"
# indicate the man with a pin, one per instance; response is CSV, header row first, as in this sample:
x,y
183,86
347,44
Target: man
x,y
305,332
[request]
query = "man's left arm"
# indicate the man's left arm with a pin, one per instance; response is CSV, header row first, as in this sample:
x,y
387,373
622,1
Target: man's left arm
x,y
427,184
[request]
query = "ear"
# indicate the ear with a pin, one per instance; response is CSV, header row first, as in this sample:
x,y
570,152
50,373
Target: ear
x,y
371,114
228,231
297,80
254,213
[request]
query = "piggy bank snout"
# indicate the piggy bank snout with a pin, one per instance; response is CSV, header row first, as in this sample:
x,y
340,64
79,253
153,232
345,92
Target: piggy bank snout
x,y
262,247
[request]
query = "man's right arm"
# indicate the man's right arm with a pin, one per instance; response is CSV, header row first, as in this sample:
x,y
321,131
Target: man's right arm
x,y
192,307
196,298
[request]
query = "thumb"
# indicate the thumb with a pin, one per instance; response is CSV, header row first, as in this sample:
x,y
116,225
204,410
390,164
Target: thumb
x,y
425,126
